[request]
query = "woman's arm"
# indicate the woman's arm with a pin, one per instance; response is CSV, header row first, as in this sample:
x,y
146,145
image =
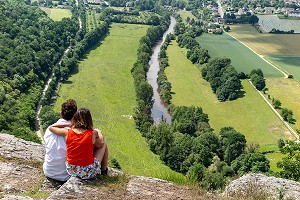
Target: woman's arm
x,y
58,131
98,139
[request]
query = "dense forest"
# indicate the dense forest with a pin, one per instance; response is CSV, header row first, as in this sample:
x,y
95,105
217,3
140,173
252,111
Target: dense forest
x,y
30,45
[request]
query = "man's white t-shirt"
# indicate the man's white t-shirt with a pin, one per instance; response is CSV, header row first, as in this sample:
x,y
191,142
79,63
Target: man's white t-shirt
x,y
56,154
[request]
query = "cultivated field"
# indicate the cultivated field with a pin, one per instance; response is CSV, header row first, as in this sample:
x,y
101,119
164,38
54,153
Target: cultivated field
x,y
268,22
242,58
267,44
104,85
249,115
282,50
57,14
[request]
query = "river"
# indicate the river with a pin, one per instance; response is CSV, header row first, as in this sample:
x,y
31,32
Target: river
x,y
159,110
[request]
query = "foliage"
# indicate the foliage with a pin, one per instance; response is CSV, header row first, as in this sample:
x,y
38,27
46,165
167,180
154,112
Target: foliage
x,y
253,19
287,115
233,143
251,162
186,119
280,143
144,91
48,116
257,79
132,17
276,103
30,45
162,81
289,165
223,78
115,163
213,181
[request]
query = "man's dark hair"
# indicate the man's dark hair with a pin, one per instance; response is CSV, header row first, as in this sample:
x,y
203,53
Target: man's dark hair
x,y
68,109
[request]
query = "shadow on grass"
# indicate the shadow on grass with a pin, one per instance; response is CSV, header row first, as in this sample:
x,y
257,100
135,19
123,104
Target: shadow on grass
x,y
240,94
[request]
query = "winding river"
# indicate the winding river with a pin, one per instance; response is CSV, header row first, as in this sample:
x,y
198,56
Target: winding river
x,y
159,110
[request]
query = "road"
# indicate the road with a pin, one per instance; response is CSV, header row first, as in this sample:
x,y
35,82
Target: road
x,y
278,115
220,9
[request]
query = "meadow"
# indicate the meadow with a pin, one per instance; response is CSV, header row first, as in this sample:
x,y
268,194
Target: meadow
x,y
242,58
249,115
185,14
57,14
104,85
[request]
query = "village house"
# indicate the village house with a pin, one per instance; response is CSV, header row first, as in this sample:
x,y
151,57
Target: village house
x,y
269,10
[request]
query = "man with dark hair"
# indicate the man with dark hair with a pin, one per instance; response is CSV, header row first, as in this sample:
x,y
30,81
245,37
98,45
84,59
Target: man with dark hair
x,y
56,150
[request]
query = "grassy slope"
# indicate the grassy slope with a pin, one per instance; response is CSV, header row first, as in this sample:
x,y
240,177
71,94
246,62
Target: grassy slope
x,y
57,14
250,115
243,59
104,85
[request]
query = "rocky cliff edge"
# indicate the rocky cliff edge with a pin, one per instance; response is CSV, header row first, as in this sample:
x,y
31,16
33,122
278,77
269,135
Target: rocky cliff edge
x,y
21,177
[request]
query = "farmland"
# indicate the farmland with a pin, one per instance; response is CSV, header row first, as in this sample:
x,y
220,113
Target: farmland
x,y
243,59
282,50
263,127
267,44
268,22
104,85
56,13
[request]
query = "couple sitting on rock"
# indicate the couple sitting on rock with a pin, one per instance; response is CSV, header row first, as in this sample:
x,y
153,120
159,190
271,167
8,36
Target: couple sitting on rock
x,y
73,147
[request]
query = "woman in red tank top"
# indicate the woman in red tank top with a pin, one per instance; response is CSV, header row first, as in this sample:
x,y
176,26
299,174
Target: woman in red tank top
x,y
81,139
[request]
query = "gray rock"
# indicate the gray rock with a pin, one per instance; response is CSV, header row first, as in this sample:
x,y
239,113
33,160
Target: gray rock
x,y
12,147
262,185
14,197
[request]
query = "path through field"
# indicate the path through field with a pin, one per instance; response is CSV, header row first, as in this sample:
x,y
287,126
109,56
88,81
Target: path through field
x,y
262,57
264,98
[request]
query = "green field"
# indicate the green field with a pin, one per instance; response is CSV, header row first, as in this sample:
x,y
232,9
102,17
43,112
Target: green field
x,y
243,59
288,63
104,85
250,114
288,92
57,14
184,14
92,21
